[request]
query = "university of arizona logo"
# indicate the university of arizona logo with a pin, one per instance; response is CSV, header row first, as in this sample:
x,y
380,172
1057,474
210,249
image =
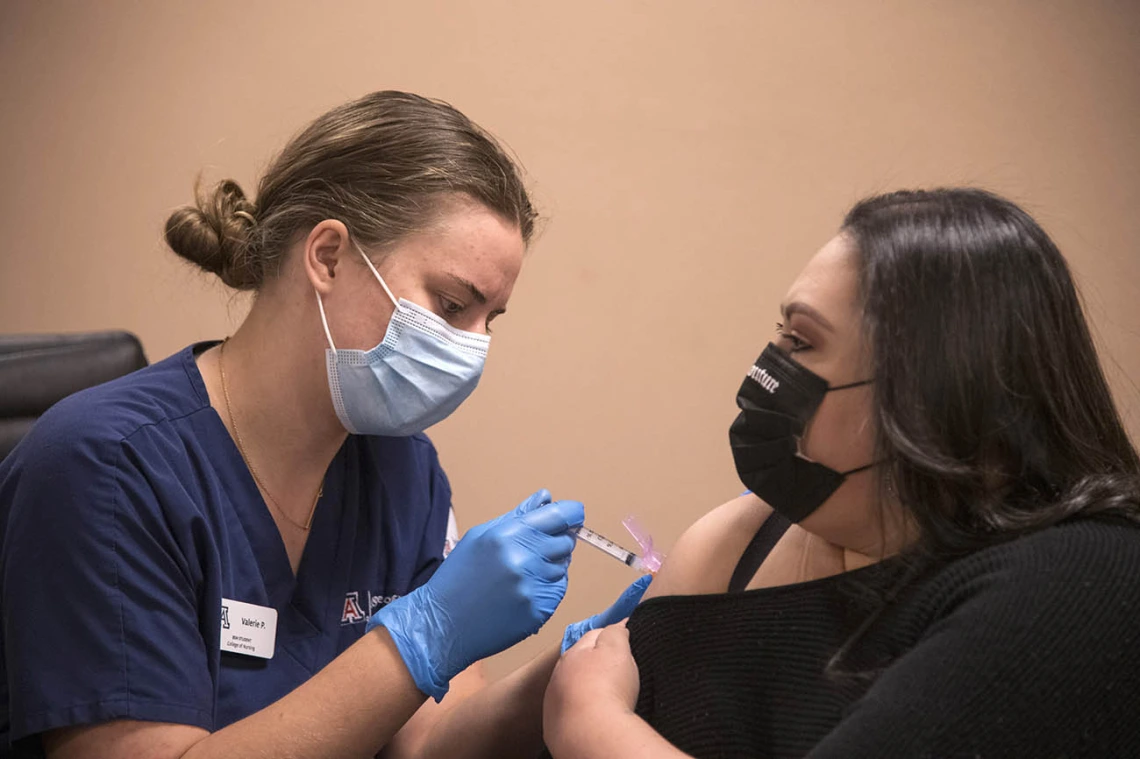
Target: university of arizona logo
x,y
353,611
225,617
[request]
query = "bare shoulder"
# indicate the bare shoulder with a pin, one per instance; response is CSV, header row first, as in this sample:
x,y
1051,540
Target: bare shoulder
x,y
704,557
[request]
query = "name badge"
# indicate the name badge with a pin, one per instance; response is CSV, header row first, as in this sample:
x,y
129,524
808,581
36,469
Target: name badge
x,y
248,629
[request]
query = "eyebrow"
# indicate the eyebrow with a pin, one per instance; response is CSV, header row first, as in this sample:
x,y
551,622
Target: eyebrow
x,y
476,293
799,307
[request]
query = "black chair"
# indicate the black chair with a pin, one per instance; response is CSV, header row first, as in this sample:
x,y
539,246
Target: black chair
x,y
38,370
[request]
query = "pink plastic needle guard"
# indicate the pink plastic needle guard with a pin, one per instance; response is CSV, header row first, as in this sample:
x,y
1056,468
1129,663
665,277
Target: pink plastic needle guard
x,y
649,558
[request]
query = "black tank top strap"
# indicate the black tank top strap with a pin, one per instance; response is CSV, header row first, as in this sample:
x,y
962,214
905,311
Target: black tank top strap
x,y
758,549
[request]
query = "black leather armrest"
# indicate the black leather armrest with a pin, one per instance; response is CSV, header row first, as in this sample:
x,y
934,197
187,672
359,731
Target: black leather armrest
x,y
36,371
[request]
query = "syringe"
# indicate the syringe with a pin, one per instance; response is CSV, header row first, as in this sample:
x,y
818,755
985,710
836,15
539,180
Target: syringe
x,y
607,546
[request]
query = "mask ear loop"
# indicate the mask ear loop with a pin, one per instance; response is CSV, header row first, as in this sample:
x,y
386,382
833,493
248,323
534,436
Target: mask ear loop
x,y
321,304
856,470
380,279
324,321
850,384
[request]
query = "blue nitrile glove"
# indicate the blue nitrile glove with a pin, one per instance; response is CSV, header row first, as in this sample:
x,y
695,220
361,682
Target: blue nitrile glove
x,y
622,608
499,585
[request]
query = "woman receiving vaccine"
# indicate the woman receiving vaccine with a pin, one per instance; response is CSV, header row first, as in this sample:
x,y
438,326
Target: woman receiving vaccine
x,y
939,553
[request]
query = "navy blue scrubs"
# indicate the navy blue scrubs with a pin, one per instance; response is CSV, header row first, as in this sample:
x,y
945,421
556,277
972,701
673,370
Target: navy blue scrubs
x,y
127,515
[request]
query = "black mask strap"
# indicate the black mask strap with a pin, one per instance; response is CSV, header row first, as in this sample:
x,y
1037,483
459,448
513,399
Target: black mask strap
x,y
850,384
856,470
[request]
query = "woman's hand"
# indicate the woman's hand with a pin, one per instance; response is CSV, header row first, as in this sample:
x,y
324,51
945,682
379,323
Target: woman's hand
x,y
594,686
621,608
501,583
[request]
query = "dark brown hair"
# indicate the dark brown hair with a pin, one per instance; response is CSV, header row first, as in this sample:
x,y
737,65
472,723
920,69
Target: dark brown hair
x,y
992,407
994,417
386,165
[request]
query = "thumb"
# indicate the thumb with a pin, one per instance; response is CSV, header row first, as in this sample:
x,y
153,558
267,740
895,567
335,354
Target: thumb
x,y
627,601
615,637
556,518
533,501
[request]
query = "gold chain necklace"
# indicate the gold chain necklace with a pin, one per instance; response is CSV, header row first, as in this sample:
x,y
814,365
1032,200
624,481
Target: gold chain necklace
x,y
253,470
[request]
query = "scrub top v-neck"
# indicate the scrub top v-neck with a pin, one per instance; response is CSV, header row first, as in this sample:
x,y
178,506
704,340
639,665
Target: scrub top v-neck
x,y
127,515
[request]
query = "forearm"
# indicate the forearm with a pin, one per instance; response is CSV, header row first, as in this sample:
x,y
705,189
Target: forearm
x,y
604,734
502,720
351,708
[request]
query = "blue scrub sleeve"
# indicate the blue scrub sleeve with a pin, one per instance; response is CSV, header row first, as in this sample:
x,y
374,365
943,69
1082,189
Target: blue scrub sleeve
x,y
100,601
431,550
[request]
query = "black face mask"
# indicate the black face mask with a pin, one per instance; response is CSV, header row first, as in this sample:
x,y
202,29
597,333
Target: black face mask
x,y
776,400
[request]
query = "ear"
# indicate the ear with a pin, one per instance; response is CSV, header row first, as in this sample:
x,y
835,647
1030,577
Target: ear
x,y
326,250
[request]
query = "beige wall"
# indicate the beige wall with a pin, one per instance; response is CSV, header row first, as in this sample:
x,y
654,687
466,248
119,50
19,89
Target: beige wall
x,y
690,156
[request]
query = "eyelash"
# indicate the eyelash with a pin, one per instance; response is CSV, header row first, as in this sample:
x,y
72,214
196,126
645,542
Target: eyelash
x,y
446,304
797,344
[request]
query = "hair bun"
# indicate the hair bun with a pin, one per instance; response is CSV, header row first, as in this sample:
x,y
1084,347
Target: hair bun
x,y
214,234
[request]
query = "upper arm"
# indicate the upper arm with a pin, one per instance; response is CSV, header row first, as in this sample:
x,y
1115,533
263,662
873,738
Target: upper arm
x,y
704,557
440,528
99,612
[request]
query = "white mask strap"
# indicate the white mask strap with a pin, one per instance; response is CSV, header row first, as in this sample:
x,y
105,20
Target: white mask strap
x,y
383,284
324,321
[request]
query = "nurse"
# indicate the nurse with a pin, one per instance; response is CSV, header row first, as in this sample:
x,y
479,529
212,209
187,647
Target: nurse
x,y
239,551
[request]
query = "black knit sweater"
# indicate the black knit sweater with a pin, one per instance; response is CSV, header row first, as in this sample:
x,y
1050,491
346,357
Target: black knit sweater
x,y
1028,649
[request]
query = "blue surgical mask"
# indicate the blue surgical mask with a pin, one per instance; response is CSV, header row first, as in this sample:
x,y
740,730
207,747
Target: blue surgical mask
x,y
420,373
